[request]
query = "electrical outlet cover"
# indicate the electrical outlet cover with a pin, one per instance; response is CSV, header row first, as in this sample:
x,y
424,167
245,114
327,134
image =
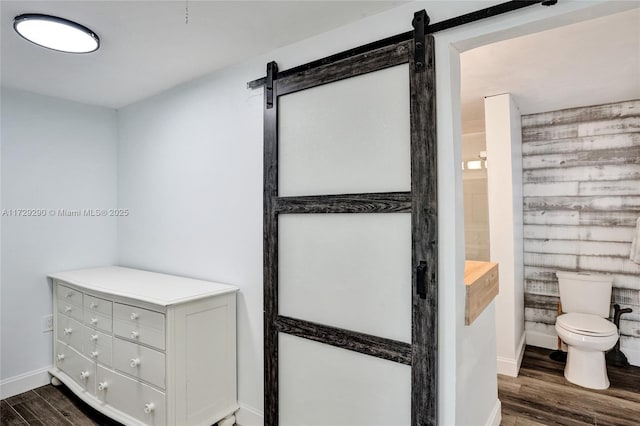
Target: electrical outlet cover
x,y
47,323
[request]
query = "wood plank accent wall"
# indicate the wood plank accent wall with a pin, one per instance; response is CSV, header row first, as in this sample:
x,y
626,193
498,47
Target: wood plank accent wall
x,y
581,188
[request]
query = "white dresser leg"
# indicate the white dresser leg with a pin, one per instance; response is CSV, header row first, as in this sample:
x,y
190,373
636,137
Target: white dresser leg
x,y
228,421
55,381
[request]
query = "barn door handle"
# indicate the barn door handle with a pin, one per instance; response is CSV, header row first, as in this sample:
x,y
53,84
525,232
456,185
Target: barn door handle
x,y
421,281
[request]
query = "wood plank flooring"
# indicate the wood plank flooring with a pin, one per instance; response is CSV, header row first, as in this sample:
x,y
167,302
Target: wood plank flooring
x,y
541,395
50,405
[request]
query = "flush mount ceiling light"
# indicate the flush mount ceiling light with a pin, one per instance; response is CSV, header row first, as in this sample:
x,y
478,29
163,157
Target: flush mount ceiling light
x,y
56,33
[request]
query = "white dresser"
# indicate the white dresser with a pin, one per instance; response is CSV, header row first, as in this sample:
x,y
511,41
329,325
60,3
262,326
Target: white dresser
x,y
146,348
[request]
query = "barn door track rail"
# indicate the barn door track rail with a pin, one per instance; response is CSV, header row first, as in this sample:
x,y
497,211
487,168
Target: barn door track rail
x,y
457,21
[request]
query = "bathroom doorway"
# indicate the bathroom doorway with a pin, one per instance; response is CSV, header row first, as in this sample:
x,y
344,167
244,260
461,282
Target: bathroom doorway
x,y
568,220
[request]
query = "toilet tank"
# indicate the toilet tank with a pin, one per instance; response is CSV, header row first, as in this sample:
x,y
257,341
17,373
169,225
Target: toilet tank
x,y
585,293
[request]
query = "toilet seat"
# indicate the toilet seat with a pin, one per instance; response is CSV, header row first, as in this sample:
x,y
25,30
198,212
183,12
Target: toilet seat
x,y
586,324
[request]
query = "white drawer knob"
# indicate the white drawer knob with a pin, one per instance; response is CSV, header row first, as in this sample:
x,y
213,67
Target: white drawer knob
x,y
94,321
148,408
67,309
69,295
68,331
134,362
60,357
93,305
134,316
103,386
84,375
94,354
134,334
94,338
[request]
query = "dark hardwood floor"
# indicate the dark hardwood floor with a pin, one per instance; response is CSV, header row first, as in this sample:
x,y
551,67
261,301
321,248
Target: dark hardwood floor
x,y
50,405
541,395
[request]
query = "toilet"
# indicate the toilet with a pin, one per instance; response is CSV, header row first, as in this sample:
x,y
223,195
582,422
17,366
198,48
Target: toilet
x,y
586,300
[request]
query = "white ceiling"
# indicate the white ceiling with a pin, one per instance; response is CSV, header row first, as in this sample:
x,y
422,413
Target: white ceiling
x,y
146,47
589,63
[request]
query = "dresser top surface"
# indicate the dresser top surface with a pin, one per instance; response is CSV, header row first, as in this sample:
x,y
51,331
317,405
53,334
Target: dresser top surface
x,y
152,287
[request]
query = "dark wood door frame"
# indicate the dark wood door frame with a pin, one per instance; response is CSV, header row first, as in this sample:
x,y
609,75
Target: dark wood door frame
x,y
424,223
421,354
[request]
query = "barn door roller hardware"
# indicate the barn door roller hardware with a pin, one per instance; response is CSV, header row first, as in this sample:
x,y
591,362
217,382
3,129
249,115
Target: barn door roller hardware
x,y
272,74
420,22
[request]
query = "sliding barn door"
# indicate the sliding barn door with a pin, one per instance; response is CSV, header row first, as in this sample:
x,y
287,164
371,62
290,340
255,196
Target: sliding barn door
x,y
350,241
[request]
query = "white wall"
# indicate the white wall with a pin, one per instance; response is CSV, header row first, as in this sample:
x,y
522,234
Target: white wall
x,y
477,343
504,158
190,171
55,155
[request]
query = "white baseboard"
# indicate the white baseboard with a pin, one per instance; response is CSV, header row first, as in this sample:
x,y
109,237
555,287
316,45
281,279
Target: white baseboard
x,y
509,366
24,382
541,340
496,415
249,416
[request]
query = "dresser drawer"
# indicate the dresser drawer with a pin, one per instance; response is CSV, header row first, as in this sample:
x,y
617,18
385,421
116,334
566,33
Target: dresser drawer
x,y
129,396
140,325
68,295
99,321
139,361
81,370
70,331
70,309
101,306
97,346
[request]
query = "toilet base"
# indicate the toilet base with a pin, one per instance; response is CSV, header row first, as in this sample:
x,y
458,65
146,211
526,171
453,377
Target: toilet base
x,y
586,368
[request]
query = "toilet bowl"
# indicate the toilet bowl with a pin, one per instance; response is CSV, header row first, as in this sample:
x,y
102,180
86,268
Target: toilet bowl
x,y
586,300
587,337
